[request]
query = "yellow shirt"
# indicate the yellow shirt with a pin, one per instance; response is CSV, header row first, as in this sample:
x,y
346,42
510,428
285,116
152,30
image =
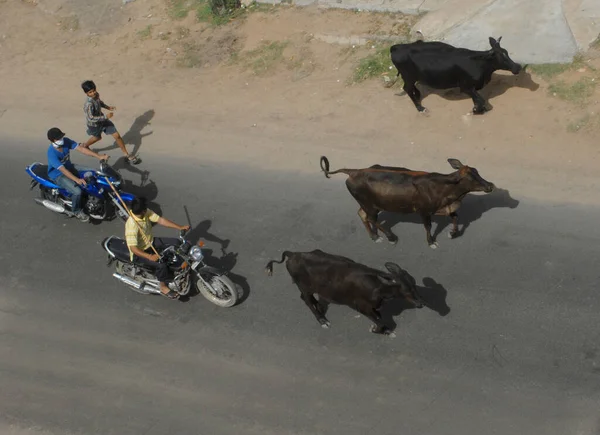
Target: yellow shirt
x,y
140,234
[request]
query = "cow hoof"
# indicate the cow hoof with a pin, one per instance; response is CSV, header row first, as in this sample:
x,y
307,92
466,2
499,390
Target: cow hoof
x,y
325,325
378,240
375,330
451,234
392,241
391,335
434,245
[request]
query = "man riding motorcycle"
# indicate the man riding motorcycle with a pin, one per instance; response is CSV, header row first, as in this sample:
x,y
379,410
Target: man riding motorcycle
x,y
63,172
143,247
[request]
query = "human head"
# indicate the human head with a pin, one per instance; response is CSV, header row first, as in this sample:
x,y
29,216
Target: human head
x,y
55,135
89,87
139,205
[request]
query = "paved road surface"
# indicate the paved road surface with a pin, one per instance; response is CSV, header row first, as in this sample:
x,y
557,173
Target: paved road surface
x,y
511,345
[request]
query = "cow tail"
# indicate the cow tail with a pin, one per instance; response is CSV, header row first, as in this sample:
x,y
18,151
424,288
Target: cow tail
x,y
269,266
325,168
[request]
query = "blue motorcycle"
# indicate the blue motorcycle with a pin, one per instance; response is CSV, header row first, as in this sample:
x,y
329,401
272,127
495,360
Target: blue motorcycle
x,y
99,201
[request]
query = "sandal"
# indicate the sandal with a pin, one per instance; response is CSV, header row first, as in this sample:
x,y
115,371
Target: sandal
x,y
171,295
133,159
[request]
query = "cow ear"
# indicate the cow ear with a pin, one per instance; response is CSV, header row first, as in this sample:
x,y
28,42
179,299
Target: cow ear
x,y
493,42
499,39
456,164
393,268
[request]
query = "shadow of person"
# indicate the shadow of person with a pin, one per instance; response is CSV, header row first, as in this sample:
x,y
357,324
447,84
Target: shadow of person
x,y
473,207
225,262
134,135
497,86
146,188
122,164
433,295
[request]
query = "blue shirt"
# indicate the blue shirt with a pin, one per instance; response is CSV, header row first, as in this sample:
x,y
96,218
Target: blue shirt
x,y
58,158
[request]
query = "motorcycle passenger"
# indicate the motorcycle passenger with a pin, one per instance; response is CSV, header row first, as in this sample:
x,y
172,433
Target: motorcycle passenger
x,y
138,235
63,172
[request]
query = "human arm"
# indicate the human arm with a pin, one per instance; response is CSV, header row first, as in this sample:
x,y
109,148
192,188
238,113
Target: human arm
x,y
87,108
89,152
170,224
107,107
137,251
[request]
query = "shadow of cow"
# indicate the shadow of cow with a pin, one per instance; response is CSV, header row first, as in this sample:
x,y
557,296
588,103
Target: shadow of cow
x,y
473,207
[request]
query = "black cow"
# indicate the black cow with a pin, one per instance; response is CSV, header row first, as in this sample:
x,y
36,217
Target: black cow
x,y
442,66
342,281
401,190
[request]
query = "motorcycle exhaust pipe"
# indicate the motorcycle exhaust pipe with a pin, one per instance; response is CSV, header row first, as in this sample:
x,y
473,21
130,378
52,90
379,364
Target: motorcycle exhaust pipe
x,y
125,279
50,205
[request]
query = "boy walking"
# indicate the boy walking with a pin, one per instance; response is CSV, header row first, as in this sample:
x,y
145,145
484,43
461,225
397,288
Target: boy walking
x,y
97,122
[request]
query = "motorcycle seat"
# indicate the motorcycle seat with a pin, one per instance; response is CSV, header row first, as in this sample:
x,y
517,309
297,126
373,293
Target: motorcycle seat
x,y
118,248
41,171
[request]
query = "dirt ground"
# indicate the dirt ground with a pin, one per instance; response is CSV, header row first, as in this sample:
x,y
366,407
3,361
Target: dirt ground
x,y
267,89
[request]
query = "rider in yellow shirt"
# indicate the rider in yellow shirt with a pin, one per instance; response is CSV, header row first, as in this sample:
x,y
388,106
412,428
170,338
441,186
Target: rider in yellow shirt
x,y
140,241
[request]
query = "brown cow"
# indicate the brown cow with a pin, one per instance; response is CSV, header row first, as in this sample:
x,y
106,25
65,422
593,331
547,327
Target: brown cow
x,y
401,190
343,281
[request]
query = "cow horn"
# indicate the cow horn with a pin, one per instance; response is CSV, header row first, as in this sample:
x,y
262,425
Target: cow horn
x,y
455,163
386,279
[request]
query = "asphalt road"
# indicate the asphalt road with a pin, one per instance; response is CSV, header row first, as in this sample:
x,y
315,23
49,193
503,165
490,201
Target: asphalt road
x,y
510,344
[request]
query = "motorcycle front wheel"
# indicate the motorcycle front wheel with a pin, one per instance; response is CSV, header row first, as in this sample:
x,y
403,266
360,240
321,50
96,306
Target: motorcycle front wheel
x,y
220,290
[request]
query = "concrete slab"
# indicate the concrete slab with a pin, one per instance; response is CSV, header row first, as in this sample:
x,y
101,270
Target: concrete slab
x,y
403,6
584,20
533,32
444,15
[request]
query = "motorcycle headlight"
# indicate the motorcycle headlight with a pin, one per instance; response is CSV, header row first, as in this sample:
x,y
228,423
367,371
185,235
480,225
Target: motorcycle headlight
x,y
196,253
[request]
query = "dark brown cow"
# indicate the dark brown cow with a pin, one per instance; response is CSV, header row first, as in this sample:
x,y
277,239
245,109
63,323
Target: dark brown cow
x,y
342,281
401,190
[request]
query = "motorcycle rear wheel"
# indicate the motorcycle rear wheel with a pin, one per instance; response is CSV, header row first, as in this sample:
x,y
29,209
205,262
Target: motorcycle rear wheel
x,y
225,295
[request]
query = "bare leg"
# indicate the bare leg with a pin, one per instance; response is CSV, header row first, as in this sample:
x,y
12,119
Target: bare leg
x,y
91,141
120,143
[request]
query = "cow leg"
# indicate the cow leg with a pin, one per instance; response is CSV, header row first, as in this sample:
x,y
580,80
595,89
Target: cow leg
x,y
390,236
454,231
367,223
312,303
322,305
411,89
427,224
371,313
478,100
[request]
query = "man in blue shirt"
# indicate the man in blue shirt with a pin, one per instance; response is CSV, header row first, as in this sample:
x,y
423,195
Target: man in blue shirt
x,y
63,172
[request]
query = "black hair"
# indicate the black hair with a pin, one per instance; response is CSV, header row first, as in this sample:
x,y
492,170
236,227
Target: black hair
x,y
55,134
88,85
139,205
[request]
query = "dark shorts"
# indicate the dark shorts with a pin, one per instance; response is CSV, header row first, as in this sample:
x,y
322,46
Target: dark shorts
x,y
161,270
96,130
